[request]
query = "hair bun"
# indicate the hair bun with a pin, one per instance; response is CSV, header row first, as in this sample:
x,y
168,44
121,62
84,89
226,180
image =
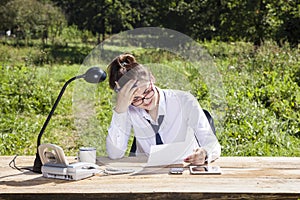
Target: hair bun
x,y
126,59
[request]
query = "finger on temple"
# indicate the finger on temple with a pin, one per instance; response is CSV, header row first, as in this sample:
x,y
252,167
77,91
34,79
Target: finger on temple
x,y
117,84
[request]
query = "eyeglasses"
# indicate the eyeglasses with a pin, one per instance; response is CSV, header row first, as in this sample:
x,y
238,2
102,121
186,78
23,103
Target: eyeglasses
x,y
148,94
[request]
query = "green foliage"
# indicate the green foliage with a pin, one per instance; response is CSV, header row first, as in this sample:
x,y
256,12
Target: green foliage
x,y
18,133
31,19
254,21
21,91
27,95
231,20
48,55
262,100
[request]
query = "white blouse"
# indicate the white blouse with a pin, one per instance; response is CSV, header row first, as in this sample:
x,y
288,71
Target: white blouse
x,y
181,110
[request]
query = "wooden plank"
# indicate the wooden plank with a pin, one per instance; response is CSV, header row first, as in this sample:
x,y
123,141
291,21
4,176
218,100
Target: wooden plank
x,y
242,177
143,196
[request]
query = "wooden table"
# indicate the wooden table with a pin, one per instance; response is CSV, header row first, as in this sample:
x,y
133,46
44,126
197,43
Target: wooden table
x,y
242,178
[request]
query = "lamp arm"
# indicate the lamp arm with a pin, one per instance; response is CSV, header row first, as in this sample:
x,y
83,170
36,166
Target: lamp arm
x,y
37,163
92,75
53,109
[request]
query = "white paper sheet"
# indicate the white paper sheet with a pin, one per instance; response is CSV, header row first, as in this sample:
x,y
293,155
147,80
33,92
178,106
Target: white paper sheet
x,y
174,153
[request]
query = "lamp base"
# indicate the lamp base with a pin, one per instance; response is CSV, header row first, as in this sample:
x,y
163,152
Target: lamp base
x,y
37,164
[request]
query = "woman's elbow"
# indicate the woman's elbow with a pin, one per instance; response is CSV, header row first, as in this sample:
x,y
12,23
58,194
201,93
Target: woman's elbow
x,y
113,152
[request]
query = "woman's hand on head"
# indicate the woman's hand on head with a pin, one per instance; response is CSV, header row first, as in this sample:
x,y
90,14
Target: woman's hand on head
x,y
197,157
125,95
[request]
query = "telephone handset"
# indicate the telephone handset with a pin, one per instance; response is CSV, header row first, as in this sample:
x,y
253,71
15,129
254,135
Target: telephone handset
x,y
52,154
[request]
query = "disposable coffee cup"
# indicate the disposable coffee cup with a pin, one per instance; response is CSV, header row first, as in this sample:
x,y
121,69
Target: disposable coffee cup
x,y
87,154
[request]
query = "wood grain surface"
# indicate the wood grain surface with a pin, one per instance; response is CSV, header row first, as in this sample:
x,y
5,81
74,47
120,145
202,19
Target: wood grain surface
x,y
241,178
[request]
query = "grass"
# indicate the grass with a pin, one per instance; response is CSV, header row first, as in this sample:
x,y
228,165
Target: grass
x,y
260,116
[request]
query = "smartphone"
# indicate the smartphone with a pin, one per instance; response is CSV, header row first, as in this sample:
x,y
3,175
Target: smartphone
x,y
202,170
176,170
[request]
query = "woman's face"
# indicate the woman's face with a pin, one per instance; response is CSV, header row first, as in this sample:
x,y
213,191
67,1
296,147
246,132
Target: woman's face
x,y
146,97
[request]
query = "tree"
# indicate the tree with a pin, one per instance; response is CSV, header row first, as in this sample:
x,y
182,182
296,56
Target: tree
x,y
230,20
288,14
31,19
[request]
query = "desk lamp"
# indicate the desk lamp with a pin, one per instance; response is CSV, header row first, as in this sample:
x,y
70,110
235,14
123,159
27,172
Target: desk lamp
x,y
92,75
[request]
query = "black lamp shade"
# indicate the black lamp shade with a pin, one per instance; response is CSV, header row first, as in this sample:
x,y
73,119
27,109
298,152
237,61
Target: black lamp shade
x,y
94,75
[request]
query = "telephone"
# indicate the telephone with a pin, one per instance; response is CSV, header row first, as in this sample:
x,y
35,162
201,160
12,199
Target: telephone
x,y
55,164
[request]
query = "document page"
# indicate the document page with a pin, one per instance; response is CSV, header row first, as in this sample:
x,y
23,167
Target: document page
x,y
174,153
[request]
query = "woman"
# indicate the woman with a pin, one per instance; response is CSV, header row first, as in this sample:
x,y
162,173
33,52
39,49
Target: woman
x,y
156,116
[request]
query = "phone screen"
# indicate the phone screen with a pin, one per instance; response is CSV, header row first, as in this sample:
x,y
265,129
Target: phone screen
x,y
199,169
205,170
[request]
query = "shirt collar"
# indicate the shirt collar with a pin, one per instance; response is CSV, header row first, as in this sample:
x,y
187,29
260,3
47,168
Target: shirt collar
x,y
161,105
162,102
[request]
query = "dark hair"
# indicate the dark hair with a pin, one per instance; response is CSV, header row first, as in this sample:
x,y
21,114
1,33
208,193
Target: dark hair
x,y
123,64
